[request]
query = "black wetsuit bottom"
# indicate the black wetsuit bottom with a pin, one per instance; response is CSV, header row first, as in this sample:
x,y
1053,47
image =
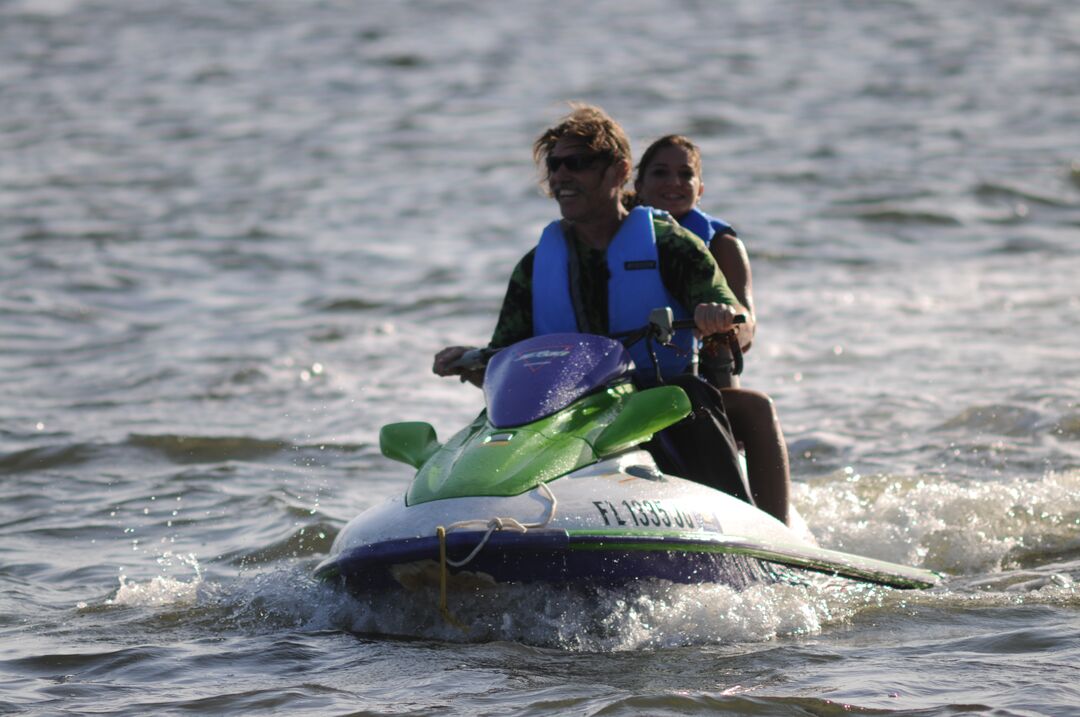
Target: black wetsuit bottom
x,y
701,447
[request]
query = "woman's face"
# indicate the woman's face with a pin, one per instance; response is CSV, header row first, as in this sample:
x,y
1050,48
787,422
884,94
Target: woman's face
x,y
670,182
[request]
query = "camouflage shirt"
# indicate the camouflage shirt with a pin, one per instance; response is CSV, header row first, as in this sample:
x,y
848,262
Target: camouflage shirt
x,y
687,269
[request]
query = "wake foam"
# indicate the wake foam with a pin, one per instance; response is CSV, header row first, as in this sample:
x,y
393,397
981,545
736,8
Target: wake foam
x,y
1002,542
959,527
647,615
161,590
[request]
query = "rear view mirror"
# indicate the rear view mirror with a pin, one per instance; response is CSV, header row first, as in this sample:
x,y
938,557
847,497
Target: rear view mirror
x,y
411,442
643,414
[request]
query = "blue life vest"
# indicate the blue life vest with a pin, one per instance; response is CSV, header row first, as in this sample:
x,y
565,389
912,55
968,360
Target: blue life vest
x,y
704,225
634,289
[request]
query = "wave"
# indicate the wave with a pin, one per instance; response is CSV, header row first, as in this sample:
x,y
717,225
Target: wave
x,y
890,214
961,527
181,449
654,614
1002,419
1029,245
997,193
48,458
344,304
312,539
208,449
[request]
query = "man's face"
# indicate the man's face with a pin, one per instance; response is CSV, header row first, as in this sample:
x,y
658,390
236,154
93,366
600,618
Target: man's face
x,y
586,187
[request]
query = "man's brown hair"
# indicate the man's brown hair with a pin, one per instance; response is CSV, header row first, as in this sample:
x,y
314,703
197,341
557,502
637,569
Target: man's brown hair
x,y
602,134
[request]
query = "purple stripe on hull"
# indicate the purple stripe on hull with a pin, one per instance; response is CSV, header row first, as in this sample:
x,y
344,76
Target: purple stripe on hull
x,y
549,556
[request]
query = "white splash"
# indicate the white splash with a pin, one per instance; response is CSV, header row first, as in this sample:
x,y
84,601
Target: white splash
x,y
161,590
959,527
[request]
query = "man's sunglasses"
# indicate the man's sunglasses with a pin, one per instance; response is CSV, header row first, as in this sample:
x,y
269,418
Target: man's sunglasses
x,y
573,162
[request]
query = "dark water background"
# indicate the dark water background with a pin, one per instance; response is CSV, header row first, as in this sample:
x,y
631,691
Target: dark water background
x,y
233,233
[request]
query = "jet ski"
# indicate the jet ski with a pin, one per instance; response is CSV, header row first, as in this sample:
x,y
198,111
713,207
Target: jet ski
x,y
551,484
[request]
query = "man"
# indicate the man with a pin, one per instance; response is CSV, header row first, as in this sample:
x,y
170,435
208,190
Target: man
x,y
603,267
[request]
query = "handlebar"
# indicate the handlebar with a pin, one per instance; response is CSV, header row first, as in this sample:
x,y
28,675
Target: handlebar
x,y
473,359
662,324
732,342
689,323
661,327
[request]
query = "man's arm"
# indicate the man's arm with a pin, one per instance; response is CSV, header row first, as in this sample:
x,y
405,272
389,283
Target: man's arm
x,y
514,324
730,254
516,316
692,276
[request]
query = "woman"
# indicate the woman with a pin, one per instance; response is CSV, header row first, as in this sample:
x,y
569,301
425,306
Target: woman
x,y
669,178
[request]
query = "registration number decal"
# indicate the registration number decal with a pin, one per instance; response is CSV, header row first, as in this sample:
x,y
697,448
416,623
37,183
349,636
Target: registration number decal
x,y
643,513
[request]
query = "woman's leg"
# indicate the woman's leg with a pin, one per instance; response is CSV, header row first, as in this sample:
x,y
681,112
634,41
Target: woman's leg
x,y
756,425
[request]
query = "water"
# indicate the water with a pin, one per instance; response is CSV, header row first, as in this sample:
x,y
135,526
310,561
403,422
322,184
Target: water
x,y
233,234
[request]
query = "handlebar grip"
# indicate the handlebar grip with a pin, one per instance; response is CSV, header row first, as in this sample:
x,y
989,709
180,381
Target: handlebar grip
x,y
471,360
689,323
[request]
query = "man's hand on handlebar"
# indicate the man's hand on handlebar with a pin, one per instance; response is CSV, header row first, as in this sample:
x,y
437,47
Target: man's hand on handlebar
x,y
453,361
714,318
446,360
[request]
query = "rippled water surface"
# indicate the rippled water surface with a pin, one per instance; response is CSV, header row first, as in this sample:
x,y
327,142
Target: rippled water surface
x,y
234,233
